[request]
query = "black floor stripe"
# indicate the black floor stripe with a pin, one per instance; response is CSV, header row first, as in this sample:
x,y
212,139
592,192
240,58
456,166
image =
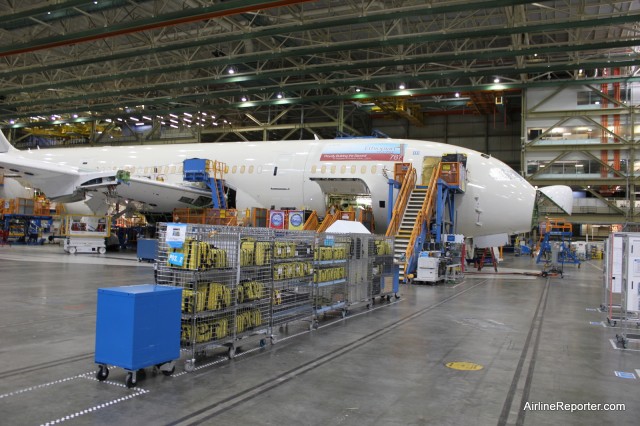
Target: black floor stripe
x,y
44,365
506,408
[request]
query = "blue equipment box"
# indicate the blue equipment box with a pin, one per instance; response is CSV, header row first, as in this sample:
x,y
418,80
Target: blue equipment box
x,y
138,326
147,249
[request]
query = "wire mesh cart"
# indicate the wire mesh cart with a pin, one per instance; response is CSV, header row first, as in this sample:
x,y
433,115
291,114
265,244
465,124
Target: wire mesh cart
x,y
360,286
330,272
137,327
226,286
383,272
292,266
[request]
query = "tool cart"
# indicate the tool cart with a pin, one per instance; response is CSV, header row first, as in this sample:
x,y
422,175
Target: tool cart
x,y
137,326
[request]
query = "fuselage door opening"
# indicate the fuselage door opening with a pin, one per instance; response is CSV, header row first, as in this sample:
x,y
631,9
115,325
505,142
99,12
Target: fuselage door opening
x,y
349,195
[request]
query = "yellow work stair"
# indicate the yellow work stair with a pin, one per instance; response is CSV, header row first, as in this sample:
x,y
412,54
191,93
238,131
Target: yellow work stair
x,y
414,206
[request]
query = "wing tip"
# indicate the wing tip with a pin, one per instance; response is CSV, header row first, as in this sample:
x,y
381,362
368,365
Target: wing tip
x,y
5,146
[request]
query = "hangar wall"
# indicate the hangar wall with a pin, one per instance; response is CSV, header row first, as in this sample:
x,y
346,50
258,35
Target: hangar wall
x,y
499,138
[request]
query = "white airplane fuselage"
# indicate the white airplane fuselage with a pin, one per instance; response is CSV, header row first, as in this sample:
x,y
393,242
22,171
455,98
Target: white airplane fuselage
x,y
299,174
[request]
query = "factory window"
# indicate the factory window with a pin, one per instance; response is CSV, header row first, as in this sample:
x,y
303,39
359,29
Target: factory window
x,y
314,168
323,170
353,170
234,169
363,170
343,169
333,170
259,169
242,168
374,169
250,169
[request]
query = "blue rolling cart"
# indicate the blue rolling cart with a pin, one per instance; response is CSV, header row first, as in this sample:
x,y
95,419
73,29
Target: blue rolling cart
x,y
137,326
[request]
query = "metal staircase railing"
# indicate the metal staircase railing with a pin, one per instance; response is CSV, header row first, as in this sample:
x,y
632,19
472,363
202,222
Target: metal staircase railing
x,y
408,184
423,219
312,222
328,220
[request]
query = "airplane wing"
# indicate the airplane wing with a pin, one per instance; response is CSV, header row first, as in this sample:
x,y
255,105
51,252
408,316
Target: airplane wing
x,y
59,183
156,196
68,184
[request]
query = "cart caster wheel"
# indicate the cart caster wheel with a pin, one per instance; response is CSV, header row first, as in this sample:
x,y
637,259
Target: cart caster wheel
x,y
273,340
169,372
130,382
189,366
102,250
72,250
316,325
344,314
373,301
232,352
263,343
368,306
397,297
388,298
103,373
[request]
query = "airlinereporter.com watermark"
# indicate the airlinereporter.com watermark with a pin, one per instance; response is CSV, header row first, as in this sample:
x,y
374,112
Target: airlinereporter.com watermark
x,y
572,406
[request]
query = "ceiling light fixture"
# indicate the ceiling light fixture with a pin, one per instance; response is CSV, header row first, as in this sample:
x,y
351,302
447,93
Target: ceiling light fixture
x,y
243,98
496,80
402,86
279,96
457,95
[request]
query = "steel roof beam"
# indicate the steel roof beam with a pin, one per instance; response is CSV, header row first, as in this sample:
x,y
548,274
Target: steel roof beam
x,y
169,19
293,87
506,52
335,22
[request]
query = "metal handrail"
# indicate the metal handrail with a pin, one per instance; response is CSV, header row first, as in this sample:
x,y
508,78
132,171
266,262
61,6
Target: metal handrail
x,y
424,214
407,187
328,220
311,224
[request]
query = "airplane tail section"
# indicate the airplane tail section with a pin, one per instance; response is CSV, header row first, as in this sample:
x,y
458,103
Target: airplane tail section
x,y
5,146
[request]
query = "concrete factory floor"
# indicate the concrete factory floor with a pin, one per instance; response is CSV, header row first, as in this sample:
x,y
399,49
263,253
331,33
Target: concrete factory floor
x,y
537,340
